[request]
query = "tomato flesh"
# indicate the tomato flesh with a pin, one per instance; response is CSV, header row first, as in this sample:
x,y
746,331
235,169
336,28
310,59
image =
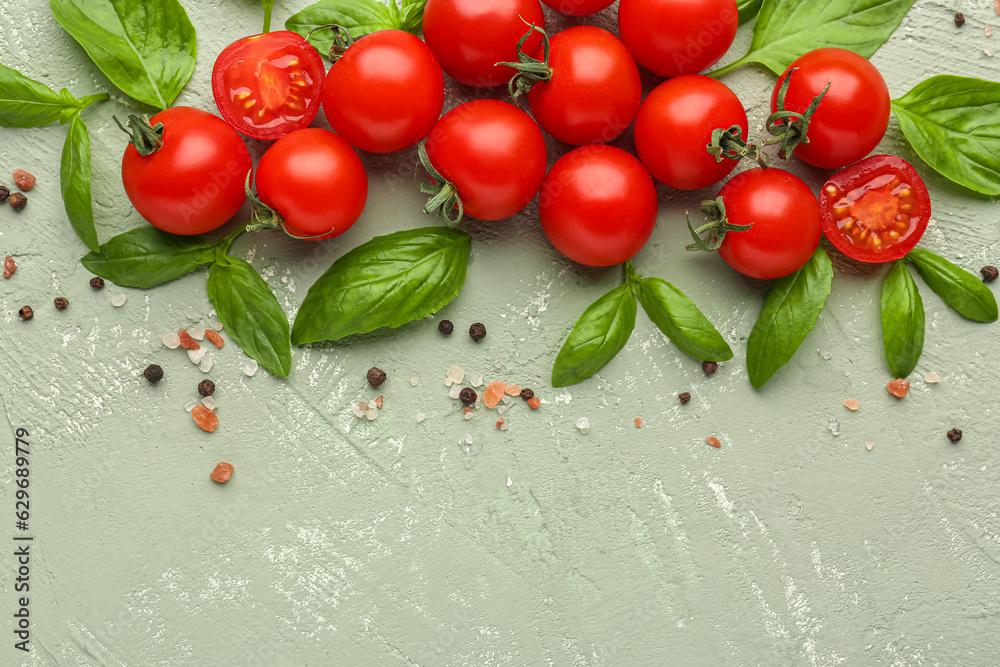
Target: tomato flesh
x,y
876,210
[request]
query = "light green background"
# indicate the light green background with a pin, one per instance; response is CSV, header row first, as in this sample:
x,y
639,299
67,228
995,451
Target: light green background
x,y
343,542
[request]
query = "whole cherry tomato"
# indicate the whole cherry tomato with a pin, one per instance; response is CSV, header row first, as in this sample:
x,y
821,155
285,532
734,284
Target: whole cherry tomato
x,y
185,170
598,205
674,128
470,36
315,182
578,7
876,210
385,92
268,85
853,115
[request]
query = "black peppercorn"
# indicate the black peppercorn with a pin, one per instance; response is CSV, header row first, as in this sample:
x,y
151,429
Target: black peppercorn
x,y
955,434
206,387
4,193
527,394
684,397
959,19
990,273
61,302
25,313
709,367
18,201
153,373
477,331
468,396
446,327
97,282
376,376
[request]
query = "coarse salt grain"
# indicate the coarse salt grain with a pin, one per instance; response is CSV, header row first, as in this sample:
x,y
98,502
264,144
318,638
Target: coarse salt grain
x,y
448,382
251,369
583,424
189,406
118,300
372,413
509,481
413,382
851,404
197,355
638,422
456,374
209,403
206,364
217,326
468,415
378,402
869,445
468,438
172,341
198,335
932,378
359,409
512,390
493,393
534,403
989,30
477,380
454,391
420,417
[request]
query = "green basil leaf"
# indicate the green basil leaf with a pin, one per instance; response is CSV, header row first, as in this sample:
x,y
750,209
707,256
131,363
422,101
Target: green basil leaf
x,y
28,103
681,321
953,123
789,314
74,179
748,9
413,16
360,17
386,282
146,47
146,257
785,30
960,289
251,313
902,321
599,335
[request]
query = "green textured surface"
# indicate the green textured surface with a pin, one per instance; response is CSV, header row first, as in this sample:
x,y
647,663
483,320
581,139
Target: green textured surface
x,y
344,542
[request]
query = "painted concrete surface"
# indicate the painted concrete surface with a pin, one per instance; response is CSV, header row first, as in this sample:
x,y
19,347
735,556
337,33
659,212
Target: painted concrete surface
x,y
340,541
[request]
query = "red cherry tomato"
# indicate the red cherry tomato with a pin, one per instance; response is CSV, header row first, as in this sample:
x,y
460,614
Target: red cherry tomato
x,y
674,127
876,210
195,182
385,92
470,36
268,85
595,88
674,37
493,153
854,113
785,217
315,181
598,205
578,7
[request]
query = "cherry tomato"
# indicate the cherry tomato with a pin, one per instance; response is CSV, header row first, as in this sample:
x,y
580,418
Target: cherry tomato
x,y
876,210
598,205
194,182
268,85
674,37
315,181
470,36
853,115
493,153
385,92
595,88
674,127
578,7
785,217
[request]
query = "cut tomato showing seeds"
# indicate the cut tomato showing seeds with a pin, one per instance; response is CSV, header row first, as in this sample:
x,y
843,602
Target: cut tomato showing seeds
x,y
876,210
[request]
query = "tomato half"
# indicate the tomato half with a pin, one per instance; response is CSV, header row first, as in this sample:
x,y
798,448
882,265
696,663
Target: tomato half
x,y
876,210
595,88
674,126
674,37
268,85
578,7
598,205
786,223
315,181
194,182
493,153
853,115
385,92
470,36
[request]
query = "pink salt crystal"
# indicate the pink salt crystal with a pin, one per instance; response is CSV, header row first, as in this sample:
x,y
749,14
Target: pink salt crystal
x,y
24,180
9,266
533,403
512,390
493,393
869,445
989,30
638,422
499,422
851,404
378,402
466,410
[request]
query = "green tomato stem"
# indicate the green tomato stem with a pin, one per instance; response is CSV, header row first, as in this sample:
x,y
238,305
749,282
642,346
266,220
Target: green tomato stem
x,y
268,5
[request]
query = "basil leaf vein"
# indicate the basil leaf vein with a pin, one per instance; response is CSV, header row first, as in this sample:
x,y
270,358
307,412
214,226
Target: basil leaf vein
x,y
360,17
903,321
681,321
146,257
960,289
597,337
74,180
25,102
748,9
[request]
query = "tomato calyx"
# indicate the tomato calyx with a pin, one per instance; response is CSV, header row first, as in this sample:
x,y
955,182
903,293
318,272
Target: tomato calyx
x,y
342,39
444,194
709,236
728,143
263,216
529,70
790,128
146,138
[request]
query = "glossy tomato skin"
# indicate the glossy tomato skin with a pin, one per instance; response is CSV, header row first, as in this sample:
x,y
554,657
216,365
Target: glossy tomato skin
x,y
854,114
786,223
195,182
493,153
674,126
385,93
595,88
876,210
267,86
470,36
315,181
598,205
674,37
578,7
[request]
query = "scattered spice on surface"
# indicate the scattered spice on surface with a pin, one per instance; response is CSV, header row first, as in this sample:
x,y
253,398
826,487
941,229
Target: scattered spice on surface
x,y
187,342
990,273
493,393
684,397
583,425
712,440
869,445
512,390
251,368
534,403
420,417
23,180
638,422
932,378
222,473
378,402
898,387
4,193
153,373
214,337
709,367
171,341
477,332
955,434
61,302
959,19
118,300
17,201
376,376
467,396
851,404
196,356
206,364
198,335
455,374
97,282
446,327
206,387
25,313
189,406
205,418
466,410
527,394
209,403
9,266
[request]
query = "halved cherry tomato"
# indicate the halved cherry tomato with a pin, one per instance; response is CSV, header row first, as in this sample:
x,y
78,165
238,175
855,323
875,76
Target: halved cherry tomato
x,y
578,7
876,210
268,85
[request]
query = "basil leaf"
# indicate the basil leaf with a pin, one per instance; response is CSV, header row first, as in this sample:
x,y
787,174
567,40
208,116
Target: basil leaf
x,y
251,313
386,282
360,17
748,9
681,321
146,257
789,314
960,289
953,123
599,335
146,47
28,103
785,30
74,179
902,321
413,16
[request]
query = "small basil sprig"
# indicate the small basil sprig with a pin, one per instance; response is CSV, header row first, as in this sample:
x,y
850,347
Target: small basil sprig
x,y
145,257
786,30
146,47
748,9
902,321
359,17
952,123
960,289
74,180
790,312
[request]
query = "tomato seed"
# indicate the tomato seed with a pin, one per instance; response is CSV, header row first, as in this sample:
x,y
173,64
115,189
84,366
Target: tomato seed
x,y
187,342
222,473
898,388
204,418
214,337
